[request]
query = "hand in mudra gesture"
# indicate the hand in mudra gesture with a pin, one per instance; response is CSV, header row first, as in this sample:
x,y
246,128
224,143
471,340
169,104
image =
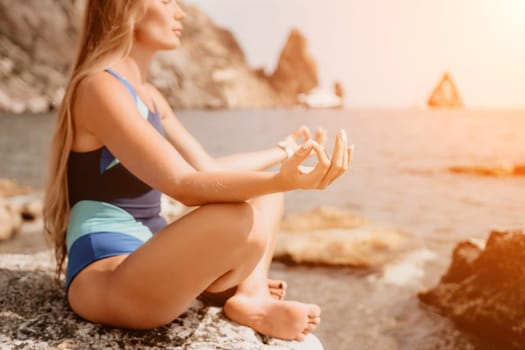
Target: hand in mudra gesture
x,y
293,176
291,142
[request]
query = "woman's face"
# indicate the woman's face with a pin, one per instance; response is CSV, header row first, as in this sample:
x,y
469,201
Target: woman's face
x,y
161,26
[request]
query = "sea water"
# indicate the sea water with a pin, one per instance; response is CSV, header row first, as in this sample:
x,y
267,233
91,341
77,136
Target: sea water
x,y
399,177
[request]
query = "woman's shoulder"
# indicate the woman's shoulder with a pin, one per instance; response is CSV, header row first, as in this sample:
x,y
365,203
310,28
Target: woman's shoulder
x,y
99,88
95,85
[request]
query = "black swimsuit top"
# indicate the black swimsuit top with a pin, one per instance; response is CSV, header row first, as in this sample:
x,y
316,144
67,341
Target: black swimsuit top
x,y
98,176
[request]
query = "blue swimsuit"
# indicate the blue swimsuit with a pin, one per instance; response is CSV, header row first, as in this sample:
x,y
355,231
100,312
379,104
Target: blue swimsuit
x,y
112,211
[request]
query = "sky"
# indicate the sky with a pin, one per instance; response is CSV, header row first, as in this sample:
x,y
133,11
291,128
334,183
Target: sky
x,y
392,53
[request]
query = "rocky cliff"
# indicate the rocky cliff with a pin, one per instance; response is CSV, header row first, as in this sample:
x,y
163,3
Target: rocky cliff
x,y
209,70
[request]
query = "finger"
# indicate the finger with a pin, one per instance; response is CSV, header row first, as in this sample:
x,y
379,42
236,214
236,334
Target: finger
x,y
277,295
350,155
320,136
277,284
316,175
302,153
304,132
345,163
337,160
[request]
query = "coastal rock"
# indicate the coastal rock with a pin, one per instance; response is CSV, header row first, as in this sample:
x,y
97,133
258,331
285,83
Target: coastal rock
x,y
9,188
493,171
34,315
209,70
333,237
445,94
36,38
36,41
17,204
296,71
10,221
482,290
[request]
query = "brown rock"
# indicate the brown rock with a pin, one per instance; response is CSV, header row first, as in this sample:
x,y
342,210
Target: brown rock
x,y
445,94
338,90
10,221
482,290
9,188
296,72
32,210
493,171
17,203
330,236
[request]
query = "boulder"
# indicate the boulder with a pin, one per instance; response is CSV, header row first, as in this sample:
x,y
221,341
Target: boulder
x,y
333,237
482,291
10,221
18,203
34,314
296,71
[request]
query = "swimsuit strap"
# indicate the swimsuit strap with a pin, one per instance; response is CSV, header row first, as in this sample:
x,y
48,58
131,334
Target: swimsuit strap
x,y
124,81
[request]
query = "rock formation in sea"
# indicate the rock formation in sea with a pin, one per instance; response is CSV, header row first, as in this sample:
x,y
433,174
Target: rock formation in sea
x,y
445,94
482,291
37,44
338,89
34,315
296,71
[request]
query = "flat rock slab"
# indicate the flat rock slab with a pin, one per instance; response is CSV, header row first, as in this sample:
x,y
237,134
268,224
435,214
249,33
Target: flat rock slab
x,y
34,314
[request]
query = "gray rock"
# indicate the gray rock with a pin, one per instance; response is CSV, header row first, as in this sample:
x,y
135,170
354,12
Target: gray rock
x,y
34,315
482,290
36,41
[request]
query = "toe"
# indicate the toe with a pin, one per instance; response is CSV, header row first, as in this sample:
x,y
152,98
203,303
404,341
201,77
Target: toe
x,y
277,284
314,311
314,320
310,328
300,337
277,294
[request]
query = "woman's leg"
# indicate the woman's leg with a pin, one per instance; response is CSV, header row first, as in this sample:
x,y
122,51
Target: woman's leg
x,y
253,305
216,245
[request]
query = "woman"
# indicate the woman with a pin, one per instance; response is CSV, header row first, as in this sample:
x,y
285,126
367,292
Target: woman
x,y
118,145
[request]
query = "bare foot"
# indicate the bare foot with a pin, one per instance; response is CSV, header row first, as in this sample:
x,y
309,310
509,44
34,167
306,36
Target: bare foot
x,y
289,320
276,288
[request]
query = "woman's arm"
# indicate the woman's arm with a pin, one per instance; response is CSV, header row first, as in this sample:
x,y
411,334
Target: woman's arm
x,y
258,160
264,159
106,110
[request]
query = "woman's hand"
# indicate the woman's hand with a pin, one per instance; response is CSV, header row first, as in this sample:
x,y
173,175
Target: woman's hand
x,y
293,176
291,142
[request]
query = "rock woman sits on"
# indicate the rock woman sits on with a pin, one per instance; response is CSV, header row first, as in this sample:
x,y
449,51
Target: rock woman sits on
x,y
118,146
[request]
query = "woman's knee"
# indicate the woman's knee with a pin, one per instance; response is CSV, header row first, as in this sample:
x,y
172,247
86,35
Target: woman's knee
x,y
238,226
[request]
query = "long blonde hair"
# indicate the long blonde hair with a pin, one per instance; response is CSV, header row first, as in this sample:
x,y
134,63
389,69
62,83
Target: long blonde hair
x,y
106,37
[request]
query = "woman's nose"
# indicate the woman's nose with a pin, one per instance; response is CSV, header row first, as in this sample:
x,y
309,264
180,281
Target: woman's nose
x,y
179,13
